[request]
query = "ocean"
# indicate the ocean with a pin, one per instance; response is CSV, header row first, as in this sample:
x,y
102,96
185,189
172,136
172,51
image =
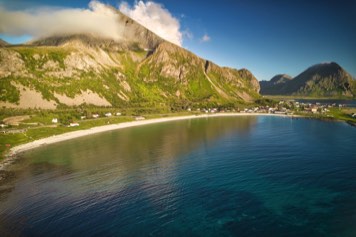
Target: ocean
x,y
225,176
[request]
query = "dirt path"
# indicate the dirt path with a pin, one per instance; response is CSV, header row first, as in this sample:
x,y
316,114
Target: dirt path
x,y
221,92
16,120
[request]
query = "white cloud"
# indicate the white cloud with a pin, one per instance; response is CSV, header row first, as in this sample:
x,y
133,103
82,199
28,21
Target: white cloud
x,y
205,38
188,34
155,18
98,18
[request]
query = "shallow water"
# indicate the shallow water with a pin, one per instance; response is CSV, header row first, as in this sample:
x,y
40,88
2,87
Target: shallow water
x,y
232,176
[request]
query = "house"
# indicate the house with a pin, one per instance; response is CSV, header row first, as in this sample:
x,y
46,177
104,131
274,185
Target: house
x,y
314,110
280,112
83,117
118,114
271,110
54,120
95,115
108,114
73,124
138,118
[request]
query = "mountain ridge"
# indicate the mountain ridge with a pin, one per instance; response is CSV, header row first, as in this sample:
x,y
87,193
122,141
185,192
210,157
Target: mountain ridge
x,y
320,80
141,70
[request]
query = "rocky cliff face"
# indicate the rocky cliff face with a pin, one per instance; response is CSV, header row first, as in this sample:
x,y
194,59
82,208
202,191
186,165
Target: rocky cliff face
x,y
140,70
321,80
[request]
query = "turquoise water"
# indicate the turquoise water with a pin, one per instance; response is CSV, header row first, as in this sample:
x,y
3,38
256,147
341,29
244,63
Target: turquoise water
x,y
241,176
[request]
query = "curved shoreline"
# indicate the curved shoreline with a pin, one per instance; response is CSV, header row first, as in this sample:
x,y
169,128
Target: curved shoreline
x,y
11,155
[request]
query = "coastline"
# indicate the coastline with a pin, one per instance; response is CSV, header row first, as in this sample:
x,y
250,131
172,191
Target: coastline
x,y
11,155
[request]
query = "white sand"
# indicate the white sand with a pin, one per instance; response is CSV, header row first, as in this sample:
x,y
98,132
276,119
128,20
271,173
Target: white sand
x,y
71,135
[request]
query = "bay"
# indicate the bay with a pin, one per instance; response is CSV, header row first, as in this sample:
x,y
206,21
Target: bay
x,y
227,176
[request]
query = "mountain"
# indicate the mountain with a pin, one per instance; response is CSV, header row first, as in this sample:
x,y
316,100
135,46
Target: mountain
x,y
275,84
321,80
140,70
280,78
3,43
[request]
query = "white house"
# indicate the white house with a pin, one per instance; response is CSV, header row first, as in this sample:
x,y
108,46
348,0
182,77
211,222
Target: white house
x,y
54,120
95,115
108,114
118,114
73,124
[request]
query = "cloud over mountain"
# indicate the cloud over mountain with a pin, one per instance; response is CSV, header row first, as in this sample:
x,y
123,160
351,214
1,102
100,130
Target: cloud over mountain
x,y
48,21
155,18
97,18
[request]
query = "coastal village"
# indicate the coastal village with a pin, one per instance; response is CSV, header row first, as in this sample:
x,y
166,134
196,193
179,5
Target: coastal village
x,y
290,107
285,107
282,107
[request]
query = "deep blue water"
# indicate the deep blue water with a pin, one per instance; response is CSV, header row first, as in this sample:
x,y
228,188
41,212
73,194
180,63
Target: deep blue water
x,y
238,176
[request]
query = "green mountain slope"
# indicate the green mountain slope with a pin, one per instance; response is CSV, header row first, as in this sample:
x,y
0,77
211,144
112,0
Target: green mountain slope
x,y
321,80
139,71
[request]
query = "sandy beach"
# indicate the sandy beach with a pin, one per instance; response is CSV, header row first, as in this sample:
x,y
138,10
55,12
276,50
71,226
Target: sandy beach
x,y
80,133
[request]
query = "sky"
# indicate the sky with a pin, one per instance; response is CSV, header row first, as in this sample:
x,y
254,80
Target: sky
x,y
268,37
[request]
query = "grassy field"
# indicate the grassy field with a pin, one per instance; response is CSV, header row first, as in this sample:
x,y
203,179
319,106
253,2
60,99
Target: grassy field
x,y
24,134
344,114
27,133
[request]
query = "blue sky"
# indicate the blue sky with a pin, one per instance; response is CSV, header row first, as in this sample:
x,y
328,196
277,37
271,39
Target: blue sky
x,y
267,37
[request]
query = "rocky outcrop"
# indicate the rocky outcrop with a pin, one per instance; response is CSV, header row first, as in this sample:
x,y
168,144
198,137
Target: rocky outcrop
x,y
11,63
250,78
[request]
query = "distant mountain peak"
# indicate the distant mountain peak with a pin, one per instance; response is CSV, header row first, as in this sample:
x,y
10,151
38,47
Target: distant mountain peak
x,y
326,65
327,79
280,78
